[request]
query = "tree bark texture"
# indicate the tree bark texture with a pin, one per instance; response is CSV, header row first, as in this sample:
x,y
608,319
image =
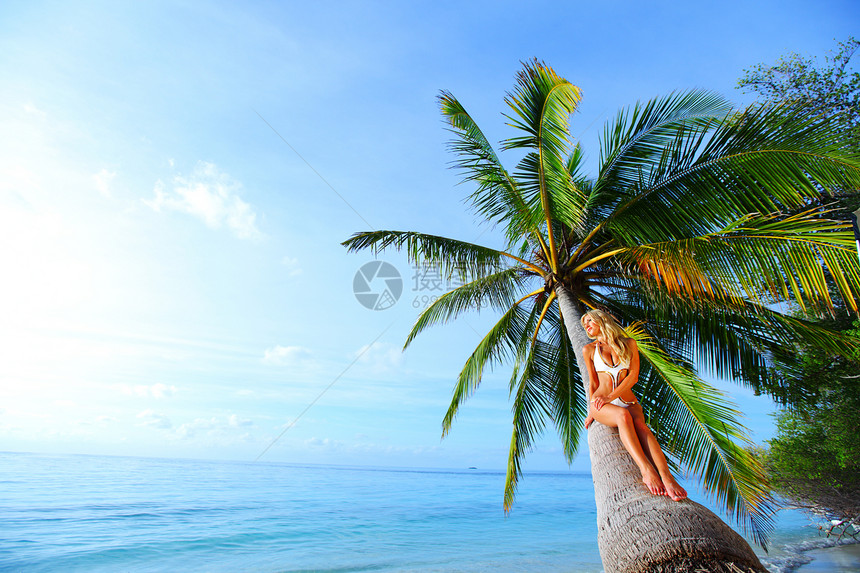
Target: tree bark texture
x,y
638,532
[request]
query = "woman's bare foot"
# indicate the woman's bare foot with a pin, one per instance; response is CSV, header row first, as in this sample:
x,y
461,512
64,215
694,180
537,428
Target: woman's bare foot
x,y
674,490
652,481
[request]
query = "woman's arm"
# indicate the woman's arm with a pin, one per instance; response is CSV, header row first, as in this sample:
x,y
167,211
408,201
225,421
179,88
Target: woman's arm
x,y
593,380
632,377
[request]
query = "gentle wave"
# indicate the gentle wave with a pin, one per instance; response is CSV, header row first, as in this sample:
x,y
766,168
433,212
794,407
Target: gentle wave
x,y
796,554
90,513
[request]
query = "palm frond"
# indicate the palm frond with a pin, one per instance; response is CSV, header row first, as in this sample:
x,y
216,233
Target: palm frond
x,y
794,256
496,197
504,342
564,201
734,341
570,404
638,136
765,258
497,291
541,105
549,368
531,409
765,160
450,256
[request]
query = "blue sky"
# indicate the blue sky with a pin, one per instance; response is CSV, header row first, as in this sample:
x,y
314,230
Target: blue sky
x,y
176,179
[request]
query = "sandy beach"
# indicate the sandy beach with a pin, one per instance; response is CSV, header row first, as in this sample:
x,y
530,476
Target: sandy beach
x,y
838,559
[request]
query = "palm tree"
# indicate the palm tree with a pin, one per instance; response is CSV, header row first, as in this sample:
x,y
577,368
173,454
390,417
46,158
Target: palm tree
x,y
696,224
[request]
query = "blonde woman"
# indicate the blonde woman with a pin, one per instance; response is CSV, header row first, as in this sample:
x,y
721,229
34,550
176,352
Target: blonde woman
x,y
613,368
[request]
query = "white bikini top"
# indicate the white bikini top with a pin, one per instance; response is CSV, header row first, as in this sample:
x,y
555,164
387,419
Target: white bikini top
x,y
601,366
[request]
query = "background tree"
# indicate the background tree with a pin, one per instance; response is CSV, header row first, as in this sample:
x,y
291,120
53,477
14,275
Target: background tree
x,y
815,458
687,233
832,90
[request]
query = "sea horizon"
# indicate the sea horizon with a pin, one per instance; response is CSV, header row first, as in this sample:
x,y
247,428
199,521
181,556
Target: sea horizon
x,y
87,512
283,462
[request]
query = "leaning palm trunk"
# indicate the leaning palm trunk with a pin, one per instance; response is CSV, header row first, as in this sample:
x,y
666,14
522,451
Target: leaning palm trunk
x,y
637,531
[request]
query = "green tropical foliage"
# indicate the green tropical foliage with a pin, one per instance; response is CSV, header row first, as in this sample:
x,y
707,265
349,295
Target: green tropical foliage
x,y
831,90
695,224
815,458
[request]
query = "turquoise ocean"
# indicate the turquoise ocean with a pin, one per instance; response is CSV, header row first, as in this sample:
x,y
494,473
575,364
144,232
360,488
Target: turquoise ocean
x,y
93,513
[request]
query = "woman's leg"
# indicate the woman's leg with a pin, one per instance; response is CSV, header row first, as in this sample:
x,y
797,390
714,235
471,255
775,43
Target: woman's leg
x,y
654,453
621,418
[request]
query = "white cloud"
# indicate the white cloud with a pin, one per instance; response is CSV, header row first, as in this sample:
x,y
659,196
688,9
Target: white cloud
x,y
16,179
379,356
153,419
214,427
292,266
210,195
190,429
282,355
157,390
237,422
31,109
325,443
160,390
102,181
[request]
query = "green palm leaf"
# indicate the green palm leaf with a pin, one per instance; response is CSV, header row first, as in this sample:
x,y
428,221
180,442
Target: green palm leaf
x,y
505,341
452,257
497,291
531,408
761,258
564,385
640,133
766,160
496,197
547,387
542,104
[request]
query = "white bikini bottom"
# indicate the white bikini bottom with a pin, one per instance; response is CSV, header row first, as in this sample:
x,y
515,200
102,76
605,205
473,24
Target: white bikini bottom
x,y
622,403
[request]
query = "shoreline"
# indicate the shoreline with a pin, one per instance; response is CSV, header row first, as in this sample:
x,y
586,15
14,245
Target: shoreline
x,y
815,556
841,558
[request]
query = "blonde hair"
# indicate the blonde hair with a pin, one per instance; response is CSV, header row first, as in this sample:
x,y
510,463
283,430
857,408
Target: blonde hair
x,y
611,330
